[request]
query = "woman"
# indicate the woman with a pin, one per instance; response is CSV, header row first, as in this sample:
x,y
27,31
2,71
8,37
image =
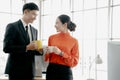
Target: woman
x,y
64,53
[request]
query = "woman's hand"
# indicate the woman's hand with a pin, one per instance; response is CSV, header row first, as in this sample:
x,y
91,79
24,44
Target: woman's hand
x,y
54,49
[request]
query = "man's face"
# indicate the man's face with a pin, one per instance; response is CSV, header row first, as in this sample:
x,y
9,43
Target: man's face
x,y
30,15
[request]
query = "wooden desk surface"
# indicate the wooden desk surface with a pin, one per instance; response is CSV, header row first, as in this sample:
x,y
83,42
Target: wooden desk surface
x,y
3,77
39,78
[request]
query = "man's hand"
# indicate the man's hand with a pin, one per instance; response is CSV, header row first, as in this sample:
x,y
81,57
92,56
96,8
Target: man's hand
x,y
32,46
40,50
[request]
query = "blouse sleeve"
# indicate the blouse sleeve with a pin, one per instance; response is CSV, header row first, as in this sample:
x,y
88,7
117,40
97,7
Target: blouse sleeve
x,y
73,58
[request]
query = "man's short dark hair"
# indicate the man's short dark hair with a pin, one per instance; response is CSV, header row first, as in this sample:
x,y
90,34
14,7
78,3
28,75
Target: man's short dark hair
x,y
30,6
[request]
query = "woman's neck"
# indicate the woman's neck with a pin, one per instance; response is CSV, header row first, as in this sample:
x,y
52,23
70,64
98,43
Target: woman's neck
x,y
65,31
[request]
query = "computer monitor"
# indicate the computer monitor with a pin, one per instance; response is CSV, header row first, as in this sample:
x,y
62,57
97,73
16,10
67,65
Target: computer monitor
x,y
114,60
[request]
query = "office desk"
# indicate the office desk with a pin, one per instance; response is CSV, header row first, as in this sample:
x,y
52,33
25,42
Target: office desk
x,y
3,77
39,78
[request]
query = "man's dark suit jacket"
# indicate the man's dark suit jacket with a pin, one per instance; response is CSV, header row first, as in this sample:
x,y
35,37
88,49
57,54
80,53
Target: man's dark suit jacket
x,y
20,62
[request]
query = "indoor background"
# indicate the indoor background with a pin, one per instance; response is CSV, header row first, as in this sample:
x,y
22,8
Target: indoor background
x,y
97,23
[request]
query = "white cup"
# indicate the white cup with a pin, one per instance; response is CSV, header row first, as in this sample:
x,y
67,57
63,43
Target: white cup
x,y
50,48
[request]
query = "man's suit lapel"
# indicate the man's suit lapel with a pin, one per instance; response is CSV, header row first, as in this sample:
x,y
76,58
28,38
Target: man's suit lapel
x,y
22,30
33,35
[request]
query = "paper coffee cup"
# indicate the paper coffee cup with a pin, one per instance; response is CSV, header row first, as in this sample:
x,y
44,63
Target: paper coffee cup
x,y
39,43
50,48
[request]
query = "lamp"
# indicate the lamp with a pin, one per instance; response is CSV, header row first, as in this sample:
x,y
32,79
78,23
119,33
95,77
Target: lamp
x,y
97,60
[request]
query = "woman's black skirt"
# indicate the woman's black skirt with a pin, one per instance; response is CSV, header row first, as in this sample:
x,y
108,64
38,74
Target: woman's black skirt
x,y
58,72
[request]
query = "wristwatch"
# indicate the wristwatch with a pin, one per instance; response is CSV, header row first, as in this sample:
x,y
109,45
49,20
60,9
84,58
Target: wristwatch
x,y
61,53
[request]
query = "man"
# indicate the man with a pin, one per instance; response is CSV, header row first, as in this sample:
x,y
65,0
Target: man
x,y
19,43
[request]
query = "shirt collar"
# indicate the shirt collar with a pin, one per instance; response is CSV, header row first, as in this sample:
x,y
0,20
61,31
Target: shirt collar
x,y
24,24
64,34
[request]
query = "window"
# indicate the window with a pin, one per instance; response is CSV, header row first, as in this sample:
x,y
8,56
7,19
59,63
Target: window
x,y
116,23
77,5
102,3
17,6
116,2
89,24
102,23
3,7
89,4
